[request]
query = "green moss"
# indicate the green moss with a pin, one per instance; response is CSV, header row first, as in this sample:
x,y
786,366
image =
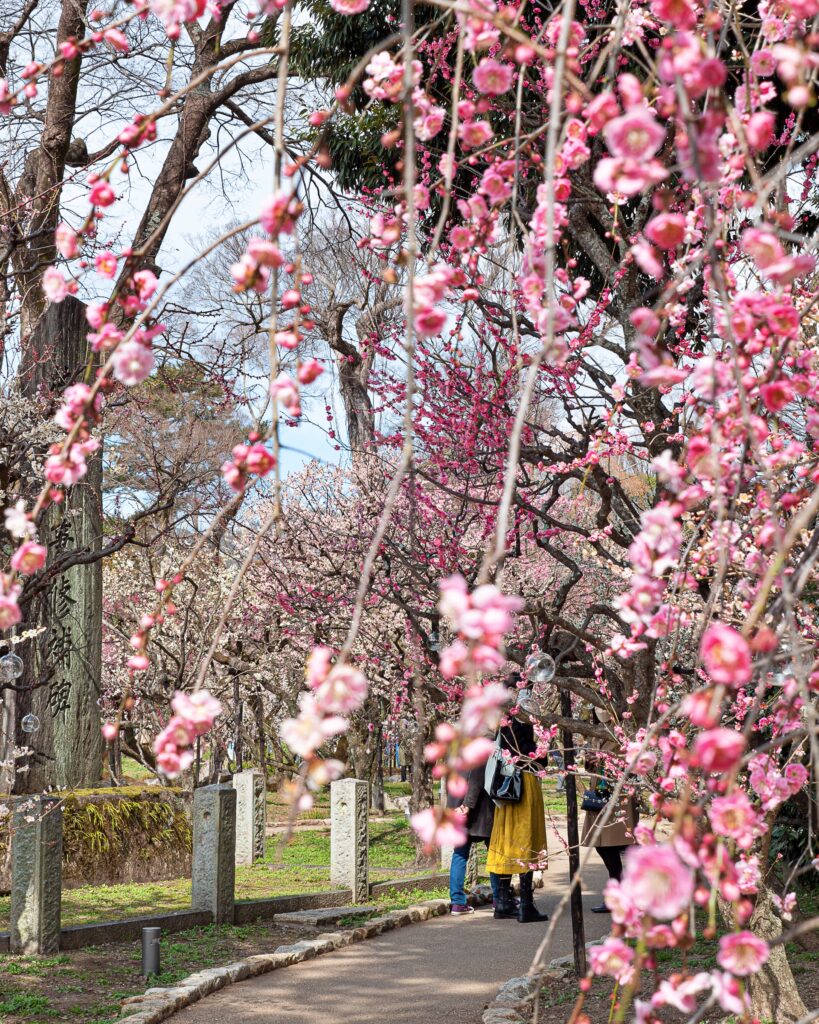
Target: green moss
x,y
130,822
104,827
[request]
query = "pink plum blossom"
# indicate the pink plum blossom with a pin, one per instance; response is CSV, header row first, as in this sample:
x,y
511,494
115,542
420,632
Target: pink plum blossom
x,y
198,710
175,13
309,371
613,958
101,194
492,78
66,241
311,728
10,613
17,521
343,690
776,394
133,363
286,392
349,6
681,993
105,263
634,135
726,655
742,953
718,750
666,230
55,286
438,827
279,214
734,817
480,710
28,558
656,882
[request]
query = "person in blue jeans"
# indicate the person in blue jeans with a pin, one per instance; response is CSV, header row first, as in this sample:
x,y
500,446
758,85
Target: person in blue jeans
x,y
480,814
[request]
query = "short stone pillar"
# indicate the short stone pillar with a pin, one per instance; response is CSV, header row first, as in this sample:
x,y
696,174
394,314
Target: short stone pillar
x,y
36,874
214,845
349,837
446,851
472,867
251,818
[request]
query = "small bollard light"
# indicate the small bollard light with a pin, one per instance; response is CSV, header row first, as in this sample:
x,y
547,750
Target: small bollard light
x,y
150,951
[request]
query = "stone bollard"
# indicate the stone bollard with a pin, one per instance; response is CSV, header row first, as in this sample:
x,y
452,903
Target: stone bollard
x,y
36,874
472,868
250,816
214,851
349,837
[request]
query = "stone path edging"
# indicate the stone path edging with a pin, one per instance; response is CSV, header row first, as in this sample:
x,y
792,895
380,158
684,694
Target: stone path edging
x,y
510,998
157,1004
513,995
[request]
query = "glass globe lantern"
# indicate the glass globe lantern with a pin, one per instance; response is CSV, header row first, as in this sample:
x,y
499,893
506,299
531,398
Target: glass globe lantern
x,y
540,667
30,723
11,668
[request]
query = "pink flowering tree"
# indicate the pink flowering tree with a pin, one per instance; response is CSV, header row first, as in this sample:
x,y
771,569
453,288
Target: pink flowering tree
x,y
599,399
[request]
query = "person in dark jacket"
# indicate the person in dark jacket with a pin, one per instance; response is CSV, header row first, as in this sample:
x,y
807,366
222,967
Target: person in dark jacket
x,y
480,814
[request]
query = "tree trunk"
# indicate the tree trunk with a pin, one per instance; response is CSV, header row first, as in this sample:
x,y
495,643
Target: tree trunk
x,y
67,748
378,781
774,994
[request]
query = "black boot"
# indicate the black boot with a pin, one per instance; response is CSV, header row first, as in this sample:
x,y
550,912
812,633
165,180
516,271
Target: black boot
x,y
527,911
504,902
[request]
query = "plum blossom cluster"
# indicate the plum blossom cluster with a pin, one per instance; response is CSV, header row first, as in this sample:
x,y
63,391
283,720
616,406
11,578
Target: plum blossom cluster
x,y
247,461
385,81
480,620
720,374
193,716
334,691
457,748
652,902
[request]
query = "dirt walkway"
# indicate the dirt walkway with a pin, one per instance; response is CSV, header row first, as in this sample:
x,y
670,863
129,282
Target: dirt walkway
x,y
445,970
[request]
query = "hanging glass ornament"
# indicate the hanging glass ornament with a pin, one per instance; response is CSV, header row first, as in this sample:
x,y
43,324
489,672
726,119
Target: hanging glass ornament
x,y
540,668
11,667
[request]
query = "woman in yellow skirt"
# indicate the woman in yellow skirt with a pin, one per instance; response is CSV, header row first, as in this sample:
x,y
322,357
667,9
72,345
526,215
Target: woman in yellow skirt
x,y
518,842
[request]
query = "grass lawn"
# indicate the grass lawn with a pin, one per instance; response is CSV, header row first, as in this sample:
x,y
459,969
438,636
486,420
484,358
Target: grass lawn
x,y
302,866
88,985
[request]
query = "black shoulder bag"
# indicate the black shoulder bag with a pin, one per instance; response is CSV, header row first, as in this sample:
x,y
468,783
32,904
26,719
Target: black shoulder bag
x,y
507,783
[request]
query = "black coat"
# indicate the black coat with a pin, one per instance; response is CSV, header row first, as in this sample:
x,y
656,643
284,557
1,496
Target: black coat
x,y
481,809
519,739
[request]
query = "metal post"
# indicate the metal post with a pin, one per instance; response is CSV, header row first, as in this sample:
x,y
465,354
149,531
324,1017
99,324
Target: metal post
x,y
150,951
572,833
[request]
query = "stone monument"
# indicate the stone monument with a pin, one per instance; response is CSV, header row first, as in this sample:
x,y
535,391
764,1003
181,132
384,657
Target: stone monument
x,y
214,851
250,816
36,874
349,837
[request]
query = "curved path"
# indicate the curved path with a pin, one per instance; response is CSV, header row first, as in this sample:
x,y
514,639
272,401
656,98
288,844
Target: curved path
x,y
446,970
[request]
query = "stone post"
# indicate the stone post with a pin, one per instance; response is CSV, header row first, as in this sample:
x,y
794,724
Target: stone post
x,y
349,837
446,851
472,867
36,874
214,846
250,816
